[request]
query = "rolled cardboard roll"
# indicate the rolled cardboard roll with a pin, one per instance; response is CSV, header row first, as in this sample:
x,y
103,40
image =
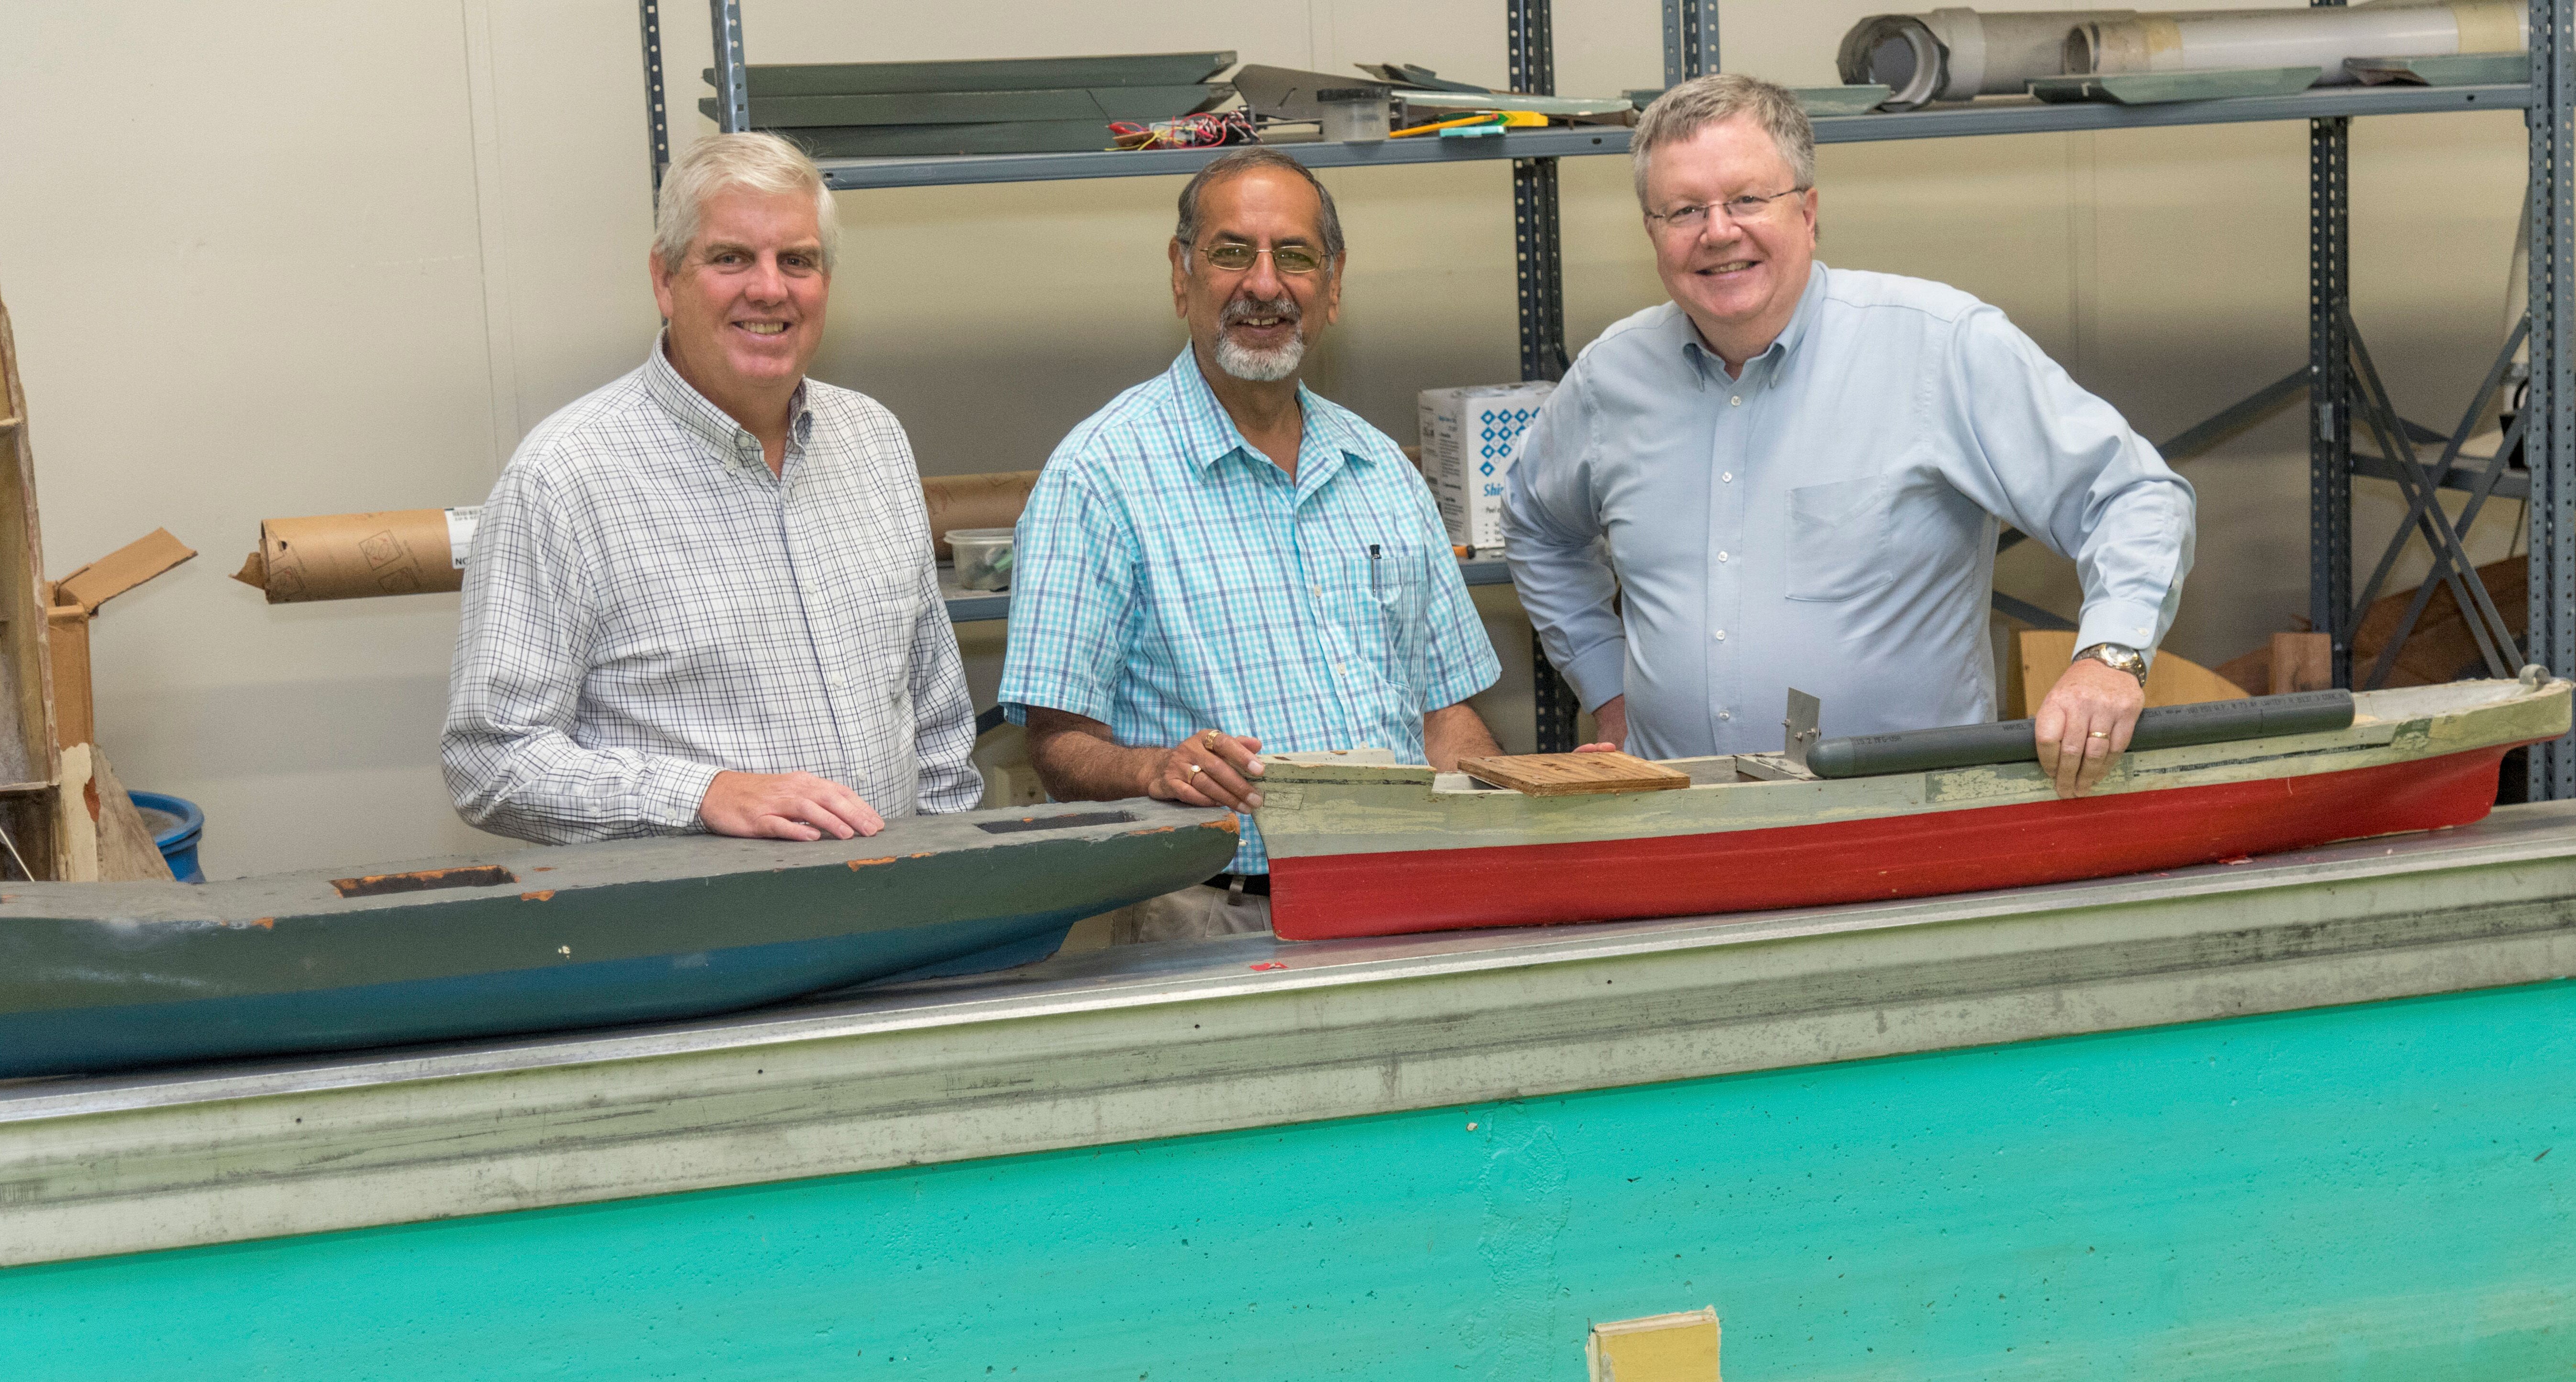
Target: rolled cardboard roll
x,y
411,551
975,501
346,556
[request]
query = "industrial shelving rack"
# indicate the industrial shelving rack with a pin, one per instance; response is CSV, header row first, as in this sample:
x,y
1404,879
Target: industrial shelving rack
x,y
1690,42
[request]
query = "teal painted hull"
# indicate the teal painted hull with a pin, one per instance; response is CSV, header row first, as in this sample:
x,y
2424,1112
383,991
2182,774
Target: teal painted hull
x,y
2381,1191
113,976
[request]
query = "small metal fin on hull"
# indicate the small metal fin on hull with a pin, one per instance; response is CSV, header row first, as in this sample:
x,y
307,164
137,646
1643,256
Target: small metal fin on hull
x,y
1322,897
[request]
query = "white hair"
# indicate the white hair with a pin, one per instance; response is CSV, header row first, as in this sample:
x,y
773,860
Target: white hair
x,y
719,162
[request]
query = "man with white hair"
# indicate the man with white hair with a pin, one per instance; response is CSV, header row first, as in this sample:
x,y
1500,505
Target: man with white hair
x,y
1791,475
1220,562
703,598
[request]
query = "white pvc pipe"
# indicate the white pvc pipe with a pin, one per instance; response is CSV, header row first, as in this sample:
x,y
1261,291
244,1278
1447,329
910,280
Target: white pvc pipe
x,y
2320,38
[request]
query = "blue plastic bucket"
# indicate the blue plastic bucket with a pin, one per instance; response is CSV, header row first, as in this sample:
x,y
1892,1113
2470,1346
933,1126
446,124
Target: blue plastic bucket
x,y
176,823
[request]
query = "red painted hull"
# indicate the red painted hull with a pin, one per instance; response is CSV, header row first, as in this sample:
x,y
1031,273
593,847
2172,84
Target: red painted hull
x,y
1864,861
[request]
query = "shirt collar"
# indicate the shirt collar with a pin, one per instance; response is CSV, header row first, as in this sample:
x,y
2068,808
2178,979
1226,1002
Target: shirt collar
x,y
702,419
1704,362
1325,433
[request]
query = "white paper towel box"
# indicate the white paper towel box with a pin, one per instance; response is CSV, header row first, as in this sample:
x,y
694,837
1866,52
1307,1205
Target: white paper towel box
x,y
1470,436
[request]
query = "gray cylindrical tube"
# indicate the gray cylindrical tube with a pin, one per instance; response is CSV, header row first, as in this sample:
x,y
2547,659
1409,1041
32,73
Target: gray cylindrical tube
x,y
2166,727
1896,51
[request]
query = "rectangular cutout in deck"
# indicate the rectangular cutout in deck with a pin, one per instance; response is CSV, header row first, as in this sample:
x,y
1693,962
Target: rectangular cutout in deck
x,y
1064,822
423,880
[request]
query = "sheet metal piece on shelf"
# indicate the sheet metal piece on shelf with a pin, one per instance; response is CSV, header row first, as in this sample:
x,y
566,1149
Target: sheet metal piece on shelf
x,y
1999,116
981,74
1098,104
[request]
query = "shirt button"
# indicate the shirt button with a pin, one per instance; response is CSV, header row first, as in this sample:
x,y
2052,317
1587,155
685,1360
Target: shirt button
x,y
1724,715
1721,556
1726,477
835,683
1316,590
1721,635
1735,402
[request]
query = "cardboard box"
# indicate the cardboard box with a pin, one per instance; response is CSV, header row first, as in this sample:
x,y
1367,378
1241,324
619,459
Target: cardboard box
x,y
75,601
1470,437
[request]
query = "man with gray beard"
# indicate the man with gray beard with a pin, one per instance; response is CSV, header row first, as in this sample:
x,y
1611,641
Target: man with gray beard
x,y
1221,563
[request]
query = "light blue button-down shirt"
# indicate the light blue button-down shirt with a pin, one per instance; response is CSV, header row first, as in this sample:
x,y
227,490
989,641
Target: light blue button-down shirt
x,y
1826,521
1168,578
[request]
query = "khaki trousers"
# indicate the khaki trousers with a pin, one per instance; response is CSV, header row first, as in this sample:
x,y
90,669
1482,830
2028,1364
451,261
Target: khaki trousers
x,y
1195,913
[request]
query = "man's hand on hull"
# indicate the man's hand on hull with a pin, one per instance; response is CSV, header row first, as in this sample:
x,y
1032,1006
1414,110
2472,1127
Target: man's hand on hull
x,y
785,806
2085,724
1210,768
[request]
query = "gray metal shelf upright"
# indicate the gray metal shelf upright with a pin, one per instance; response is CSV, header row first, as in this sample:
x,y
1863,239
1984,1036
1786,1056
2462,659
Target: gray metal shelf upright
x,y
2337,396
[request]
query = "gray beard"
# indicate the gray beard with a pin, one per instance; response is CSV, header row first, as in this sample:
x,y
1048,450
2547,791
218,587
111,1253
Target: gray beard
x,y
1259,366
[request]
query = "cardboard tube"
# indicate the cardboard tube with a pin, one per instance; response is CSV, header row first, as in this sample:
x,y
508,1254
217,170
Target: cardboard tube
x,y
411,551
345,556
975,501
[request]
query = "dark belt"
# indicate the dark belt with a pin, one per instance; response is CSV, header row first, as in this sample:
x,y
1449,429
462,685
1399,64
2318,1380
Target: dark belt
x,y
1257,884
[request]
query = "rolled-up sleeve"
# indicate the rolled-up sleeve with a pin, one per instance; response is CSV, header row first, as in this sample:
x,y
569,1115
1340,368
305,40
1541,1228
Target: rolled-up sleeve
x,y
1552,539
527,626
2062,466
1074,603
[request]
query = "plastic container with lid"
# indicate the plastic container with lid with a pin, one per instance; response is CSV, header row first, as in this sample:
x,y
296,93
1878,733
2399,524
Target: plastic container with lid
x,y
983,557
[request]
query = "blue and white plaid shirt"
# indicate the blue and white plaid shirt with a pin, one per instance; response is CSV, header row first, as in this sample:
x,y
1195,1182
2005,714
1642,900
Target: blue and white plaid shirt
x,y
647,605
1168,578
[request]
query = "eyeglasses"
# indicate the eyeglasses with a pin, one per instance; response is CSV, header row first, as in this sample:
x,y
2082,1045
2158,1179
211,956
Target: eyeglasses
x,y
1234,256
1690,220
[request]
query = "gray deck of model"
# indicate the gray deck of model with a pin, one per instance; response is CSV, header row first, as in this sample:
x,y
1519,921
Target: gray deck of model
x,y
309,892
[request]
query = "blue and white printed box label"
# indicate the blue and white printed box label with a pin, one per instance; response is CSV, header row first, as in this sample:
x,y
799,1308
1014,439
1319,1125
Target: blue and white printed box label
x,y
1470,437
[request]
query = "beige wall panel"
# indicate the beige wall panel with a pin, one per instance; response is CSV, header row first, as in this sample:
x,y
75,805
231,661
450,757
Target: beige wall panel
x,y
354,288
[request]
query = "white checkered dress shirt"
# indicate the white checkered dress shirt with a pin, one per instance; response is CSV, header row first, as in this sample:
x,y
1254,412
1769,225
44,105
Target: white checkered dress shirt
x,y
647,605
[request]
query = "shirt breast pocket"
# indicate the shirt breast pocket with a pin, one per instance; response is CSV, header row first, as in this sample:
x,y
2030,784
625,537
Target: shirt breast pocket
x,y
1391,594
1838,536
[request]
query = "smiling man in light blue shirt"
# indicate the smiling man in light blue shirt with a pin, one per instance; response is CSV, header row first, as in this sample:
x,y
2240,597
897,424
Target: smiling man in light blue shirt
x,y
1222,564
1791,475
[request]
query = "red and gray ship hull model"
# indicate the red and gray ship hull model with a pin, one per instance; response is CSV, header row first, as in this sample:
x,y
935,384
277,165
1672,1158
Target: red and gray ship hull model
x,y
1365,849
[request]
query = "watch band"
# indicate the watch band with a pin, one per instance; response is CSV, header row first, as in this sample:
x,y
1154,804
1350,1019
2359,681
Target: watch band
x,y
2117,656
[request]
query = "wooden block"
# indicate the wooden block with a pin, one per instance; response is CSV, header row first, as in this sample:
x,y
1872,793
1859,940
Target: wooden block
x,y
67,627
2171,679
1574,774
126,853
2301,662
1679,1347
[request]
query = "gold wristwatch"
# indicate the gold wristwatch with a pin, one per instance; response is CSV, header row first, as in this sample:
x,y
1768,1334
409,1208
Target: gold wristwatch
x,y
2118,656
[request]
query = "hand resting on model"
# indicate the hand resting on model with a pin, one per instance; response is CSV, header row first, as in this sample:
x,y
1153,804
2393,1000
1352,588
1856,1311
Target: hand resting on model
x,y
785,806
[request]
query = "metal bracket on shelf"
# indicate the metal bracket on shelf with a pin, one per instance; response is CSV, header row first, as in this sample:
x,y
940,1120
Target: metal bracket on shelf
x,y
657,118
2451,563
2424,513
1690,40
733,84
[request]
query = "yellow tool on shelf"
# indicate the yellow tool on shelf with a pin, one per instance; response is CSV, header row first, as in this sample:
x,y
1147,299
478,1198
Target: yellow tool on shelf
x,y
1496,119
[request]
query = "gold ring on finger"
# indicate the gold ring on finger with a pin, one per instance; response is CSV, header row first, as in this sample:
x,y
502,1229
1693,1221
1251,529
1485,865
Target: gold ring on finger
x,y
2101,734
1195,770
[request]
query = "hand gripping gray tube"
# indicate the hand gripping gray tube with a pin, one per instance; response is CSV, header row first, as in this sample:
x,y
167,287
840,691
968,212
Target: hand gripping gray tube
x,y
2166,727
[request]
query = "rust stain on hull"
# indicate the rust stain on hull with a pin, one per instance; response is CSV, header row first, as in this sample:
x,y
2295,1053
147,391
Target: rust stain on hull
x,y
866,863
547,895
